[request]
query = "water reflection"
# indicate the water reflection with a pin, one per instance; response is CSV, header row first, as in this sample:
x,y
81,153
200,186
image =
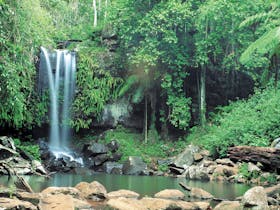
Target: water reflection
x,y
144,185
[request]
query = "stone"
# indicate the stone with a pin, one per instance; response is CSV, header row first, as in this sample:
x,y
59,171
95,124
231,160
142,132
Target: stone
x,y
13,204
225,161
207,163
197,157
124,204
123,194
115,157
273,191
6,152
200,194
203,205
109,166
252,167
170,194
166,204
185,158
205,153
73,192
197,173
176,170
81,205
7,142
113,145
33,198
255,198
134,166
38,167
94,149
117,171
225,170
228,205
93,191
276,143
57,202
100,159
273,201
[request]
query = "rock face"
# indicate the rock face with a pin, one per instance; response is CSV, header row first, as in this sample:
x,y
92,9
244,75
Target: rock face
x,y
255,198
134,166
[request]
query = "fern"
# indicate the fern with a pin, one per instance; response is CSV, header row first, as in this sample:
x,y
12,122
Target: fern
x,y
268,44
127,85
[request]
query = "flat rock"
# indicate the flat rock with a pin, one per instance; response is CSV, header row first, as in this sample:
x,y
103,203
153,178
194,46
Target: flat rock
x,y
93,191
123,193
75,193
125,204
170,194
57,202
33,198
225,161
228,205
200,194
8,203
255,198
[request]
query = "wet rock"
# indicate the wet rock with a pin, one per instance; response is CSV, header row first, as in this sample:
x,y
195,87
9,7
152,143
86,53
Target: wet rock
x,y
185,159
123,194
93,191
228,205
108,167
38,167
176,170
255,198
13,204
134,166
7,142
170,194
73,192
225,161
115,157
117,171
100,159
200,194
57,202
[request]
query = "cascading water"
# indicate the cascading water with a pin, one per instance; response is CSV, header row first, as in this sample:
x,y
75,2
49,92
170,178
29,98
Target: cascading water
x,y
60,69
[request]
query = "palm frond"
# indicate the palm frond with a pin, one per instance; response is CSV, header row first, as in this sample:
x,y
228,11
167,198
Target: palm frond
x,y
267,44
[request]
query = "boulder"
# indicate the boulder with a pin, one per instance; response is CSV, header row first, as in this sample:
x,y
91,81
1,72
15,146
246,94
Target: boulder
x,y
125,204
252,167
13,204
92,191
170,194
57,202
176,170
200,194
225,161
113,145
255,198
6,152
273,191
94,149
109,166
38,167
134,166
33,198
228,205
197,157
197,173
123,194
186,159
73,192
224,170
7,142
276,143
100,159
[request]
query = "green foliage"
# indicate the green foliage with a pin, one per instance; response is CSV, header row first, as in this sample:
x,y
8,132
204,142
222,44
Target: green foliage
x,y
131,144
243,170
253,122
270,179
29,147
96,88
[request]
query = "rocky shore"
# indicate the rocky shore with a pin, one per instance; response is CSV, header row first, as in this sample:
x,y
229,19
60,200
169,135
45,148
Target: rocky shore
x,y
95,196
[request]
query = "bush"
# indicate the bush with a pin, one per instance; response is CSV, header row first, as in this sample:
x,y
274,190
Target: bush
x,y
29,147
254,122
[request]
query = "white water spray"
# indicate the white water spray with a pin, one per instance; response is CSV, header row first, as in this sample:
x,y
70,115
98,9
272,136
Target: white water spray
x,y
61,83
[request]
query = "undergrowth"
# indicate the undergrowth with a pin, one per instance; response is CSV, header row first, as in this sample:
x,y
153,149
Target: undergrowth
x,y
253,122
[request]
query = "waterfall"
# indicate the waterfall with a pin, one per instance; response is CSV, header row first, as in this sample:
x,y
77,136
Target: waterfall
x,y
57,74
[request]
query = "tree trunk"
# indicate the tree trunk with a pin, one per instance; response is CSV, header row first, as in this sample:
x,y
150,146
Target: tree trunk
x,y
95,13
146,120
202,94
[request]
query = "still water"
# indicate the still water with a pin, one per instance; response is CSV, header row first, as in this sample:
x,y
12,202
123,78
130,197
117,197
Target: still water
x,y
144,185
